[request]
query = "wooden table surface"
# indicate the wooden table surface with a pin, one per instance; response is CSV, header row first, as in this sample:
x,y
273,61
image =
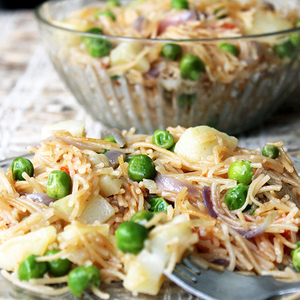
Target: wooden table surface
x,y
32,95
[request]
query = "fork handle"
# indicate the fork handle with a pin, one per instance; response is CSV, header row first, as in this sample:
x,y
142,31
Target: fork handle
x,y
283,288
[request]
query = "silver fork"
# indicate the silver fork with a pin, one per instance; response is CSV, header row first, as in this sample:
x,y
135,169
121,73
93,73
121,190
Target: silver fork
x,y
215,285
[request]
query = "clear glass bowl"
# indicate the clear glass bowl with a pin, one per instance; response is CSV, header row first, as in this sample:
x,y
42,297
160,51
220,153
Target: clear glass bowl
x,y
158,98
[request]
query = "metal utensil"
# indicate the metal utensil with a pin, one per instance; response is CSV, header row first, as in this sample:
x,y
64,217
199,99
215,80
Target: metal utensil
x,y
215,285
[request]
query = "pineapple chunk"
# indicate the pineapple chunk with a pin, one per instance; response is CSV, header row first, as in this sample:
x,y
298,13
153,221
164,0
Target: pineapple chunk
x,y
266,22
76,128
127,52
197,143
109,185
145,271
63,205
15,250
97,209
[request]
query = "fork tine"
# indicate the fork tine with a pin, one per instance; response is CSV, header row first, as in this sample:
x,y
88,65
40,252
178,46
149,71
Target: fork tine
x,y
192,266
180,269
180,277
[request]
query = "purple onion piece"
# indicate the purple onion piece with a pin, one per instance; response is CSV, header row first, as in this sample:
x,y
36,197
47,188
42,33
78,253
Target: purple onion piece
x,y
259,229
221,262
177,19
113,156
171,184
116,133
139,23
207,201
155,69
81,145
40,197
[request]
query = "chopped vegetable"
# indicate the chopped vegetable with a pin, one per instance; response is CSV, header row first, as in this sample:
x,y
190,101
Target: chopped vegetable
x,y
20,165
106,13
163,139
179,4
235,197
270,151
16,249
197,143
171,51
158,204
141,167
191,67
76,128
241,171
130,237
229,48
58,267
142,217
30,268
285,49
82,278
112,3
59,184
127,52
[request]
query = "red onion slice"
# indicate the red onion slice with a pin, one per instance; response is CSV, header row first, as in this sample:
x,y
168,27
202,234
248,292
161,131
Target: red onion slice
x,y
113,157
139,23
207,201
40,197
259,229
116,133
171,184
177,19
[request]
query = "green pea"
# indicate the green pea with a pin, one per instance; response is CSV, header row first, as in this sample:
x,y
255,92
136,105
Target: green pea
x,y
114,77
142,217
30,268
130,237
20,165
59,184
191,67
82,278
296,259
285,49
158,204
109,139
129,159
295,39
141,167
99,47
250,209
298,246
221,13
163,139
236,196
171,51
112,3
229,48
87,40
186,100
241,171
172,149
58,267
180,4
270,151
106,13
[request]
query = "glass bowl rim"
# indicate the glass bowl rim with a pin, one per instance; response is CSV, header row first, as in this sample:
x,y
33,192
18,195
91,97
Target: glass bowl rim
x,y
40,18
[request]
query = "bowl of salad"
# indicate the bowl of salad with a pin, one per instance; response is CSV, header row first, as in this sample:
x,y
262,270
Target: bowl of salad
x,y
150,64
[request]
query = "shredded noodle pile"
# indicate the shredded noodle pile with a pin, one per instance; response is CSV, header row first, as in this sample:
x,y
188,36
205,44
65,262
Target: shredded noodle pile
x,y
154,19
252,242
